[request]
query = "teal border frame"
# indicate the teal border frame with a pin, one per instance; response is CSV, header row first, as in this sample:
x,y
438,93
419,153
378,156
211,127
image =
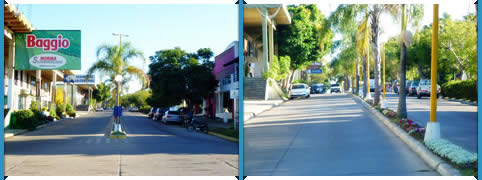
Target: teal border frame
x,y
240,94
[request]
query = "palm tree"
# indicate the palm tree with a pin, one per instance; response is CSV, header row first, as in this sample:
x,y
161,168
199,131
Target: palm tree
x,y
114,60
412,14
362,47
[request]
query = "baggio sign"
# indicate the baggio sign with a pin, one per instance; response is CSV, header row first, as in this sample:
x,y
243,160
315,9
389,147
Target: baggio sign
x,y
47,44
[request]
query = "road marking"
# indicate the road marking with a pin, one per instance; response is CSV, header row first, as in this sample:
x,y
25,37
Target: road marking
x,y
89,141
97,141
107,140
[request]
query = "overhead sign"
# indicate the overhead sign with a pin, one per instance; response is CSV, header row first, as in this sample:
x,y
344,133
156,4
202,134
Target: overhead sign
x,y
79,79
48,50
314,71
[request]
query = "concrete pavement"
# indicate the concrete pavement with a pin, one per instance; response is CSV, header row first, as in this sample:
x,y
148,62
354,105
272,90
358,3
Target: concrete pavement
x,y
458,121
325,135
81,147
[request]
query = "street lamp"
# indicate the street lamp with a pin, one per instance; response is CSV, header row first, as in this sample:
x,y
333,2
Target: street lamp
x,y
118,80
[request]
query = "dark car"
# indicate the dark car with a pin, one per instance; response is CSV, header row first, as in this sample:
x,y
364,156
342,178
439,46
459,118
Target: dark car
x,y
151,112
318,89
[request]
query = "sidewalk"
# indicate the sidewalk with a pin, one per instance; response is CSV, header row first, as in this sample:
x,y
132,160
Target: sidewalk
x,y
253,108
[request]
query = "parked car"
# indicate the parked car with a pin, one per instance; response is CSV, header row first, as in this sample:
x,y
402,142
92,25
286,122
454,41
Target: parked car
x,y
335,88
317,89
99,109
158,114
372,85
171,116
133,109
407,85
151,112
412,89
424,88
300,90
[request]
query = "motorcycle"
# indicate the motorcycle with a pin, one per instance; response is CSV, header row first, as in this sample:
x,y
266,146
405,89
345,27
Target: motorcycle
x,y
198,124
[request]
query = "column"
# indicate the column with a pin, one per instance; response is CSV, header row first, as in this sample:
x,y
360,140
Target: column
x,y
11,73
264,15
53,92
38,84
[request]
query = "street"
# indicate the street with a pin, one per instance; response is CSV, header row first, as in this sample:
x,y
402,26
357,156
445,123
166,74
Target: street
x,y
458,122
325,135
82,147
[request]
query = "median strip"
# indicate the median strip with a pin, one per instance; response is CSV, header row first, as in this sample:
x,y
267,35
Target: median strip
x,y
431,159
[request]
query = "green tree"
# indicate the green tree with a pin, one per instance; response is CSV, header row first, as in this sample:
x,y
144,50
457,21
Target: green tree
x,y
102,93
307,39
176,76
458,44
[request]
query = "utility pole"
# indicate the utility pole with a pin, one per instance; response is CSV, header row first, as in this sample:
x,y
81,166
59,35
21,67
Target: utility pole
x,y
118,80
433,127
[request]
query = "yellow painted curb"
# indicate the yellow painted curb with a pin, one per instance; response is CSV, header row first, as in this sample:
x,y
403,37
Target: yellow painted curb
x,y
223,136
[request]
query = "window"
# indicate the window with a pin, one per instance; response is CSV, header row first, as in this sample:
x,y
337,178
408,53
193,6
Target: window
x,y
21,78
32,81
46,86
16,77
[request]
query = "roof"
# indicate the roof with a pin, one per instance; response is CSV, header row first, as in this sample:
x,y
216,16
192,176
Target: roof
x,y
252,14
15,20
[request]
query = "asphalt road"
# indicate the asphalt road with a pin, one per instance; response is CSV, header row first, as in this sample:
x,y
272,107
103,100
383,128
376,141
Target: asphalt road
x,y
458,122
325,135
81,147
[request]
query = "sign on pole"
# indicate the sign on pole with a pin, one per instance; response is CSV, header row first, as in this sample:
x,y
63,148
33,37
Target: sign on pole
x,y
48,50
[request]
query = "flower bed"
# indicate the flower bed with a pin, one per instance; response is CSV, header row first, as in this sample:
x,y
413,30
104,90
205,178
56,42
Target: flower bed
x,y
463,160
453,153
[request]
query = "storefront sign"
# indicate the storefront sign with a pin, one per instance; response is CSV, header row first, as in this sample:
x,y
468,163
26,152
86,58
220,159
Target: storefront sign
x,y
79,79
49,50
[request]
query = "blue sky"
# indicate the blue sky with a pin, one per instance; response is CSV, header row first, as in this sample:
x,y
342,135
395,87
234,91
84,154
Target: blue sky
x,y
150,27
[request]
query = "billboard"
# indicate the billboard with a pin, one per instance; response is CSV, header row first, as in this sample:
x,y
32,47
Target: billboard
x,y
48,50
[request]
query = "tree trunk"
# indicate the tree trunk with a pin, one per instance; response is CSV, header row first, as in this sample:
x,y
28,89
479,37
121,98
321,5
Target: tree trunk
x,y
364,76
375,17
357,78
402,104
290,81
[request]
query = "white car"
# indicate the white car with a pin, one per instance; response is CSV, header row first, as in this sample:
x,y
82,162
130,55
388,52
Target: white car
x,y
300,90
424,88
335,88
99,109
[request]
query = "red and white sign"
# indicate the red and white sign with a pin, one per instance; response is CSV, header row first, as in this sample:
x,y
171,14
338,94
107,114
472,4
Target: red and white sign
x,y
48,44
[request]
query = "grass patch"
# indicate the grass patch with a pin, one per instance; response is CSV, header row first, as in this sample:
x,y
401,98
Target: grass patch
x,y
468,172
230,132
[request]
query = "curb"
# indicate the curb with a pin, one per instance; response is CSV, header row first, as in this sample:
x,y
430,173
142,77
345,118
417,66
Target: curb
x,y
431,159
36,128
253,115
224,137
7,135
461,101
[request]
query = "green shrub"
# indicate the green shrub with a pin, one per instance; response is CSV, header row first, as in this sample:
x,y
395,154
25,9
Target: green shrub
x,y
60,110
460,89
71,113
23,119
45,109
33,105
69,108
53,114
145,109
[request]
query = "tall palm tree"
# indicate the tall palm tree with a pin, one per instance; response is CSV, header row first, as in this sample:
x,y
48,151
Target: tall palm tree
x,y
363,38
114,60
412,14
